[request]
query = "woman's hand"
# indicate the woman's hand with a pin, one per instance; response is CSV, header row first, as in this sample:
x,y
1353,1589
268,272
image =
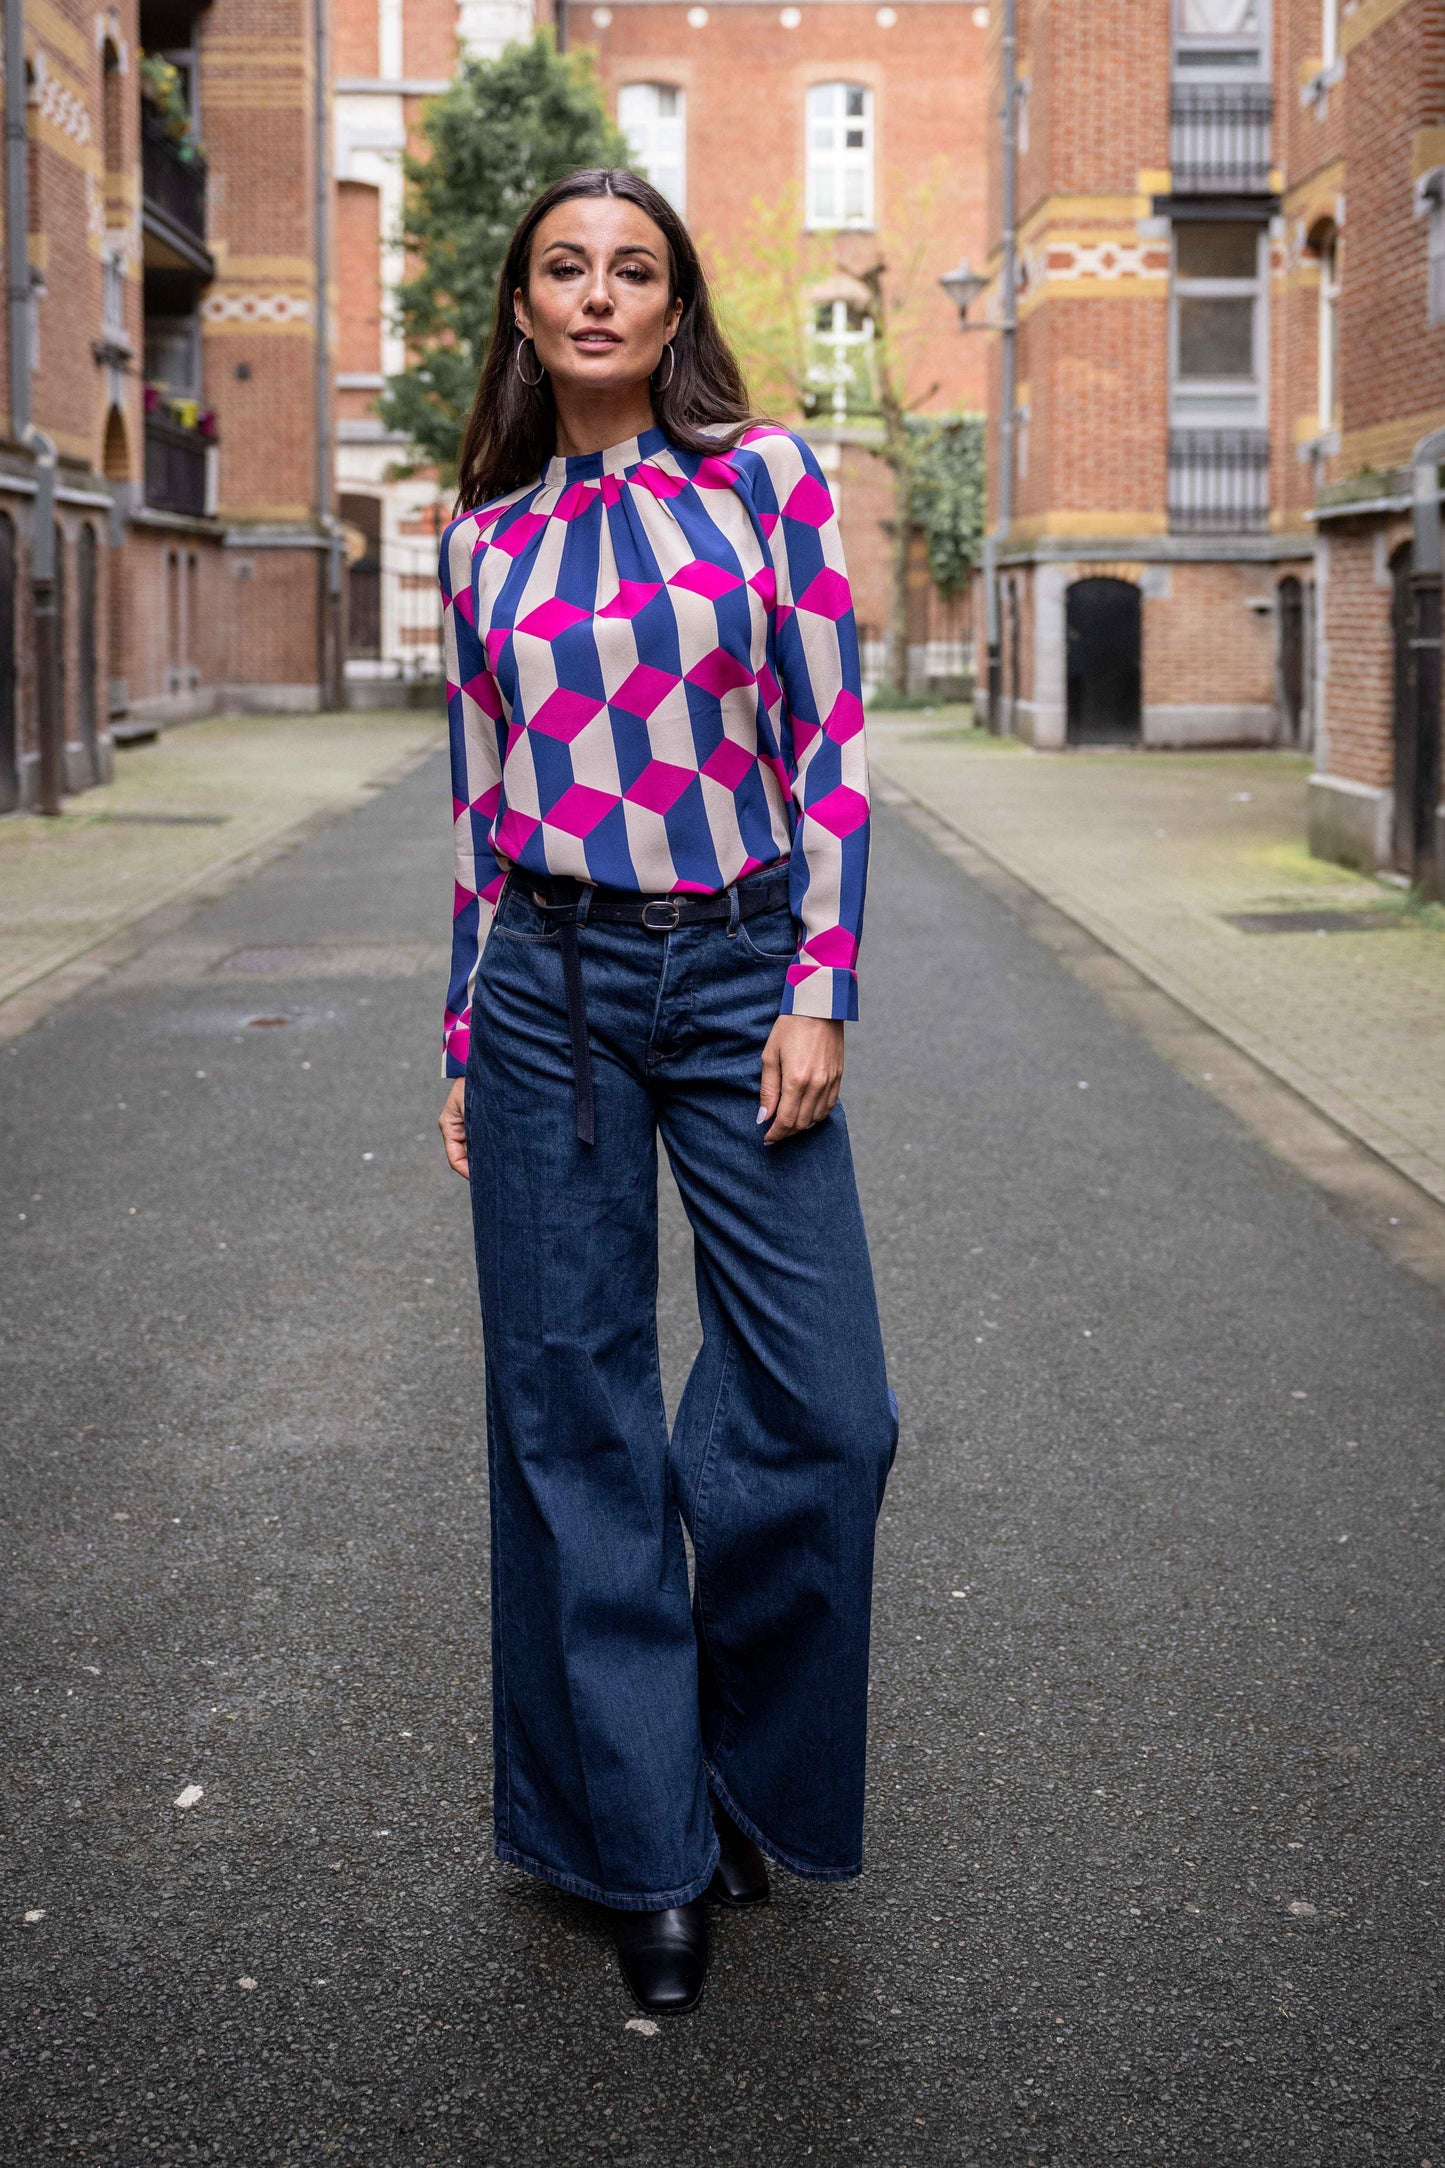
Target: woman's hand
x,y
802,1070
452,1124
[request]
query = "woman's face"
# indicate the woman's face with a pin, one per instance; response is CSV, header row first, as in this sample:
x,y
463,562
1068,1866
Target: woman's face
x,y
596,305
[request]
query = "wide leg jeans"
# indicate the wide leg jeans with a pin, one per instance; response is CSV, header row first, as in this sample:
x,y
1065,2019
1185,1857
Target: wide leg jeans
x,y
619,1701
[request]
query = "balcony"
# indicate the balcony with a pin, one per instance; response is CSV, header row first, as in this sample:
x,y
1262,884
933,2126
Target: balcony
x,y
1219,139
173,201
175,466
1218,481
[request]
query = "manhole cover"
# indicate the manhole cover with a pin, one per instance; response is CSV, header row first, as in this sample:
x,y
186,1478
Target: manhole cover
x,y
336,960
1311,921
162,820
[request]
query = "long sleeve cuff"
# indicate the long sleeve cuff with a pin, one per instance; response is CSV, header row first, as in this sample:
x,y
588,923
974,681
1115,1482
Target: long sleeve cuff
x,y
815,990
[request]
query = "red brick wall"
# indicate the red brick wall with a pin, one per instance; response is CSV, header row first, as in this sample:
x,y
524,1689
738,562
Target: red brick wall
x,y
174,617
358,244
1092,348
1203,645
1359,688
1359,142
354,40
746,79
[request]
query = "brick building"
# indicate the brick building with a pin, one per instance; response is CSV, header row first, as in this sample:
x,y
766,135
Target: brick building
x,y
389,57
1362,142
1229,301
864,120
162,376
1152,521
844,109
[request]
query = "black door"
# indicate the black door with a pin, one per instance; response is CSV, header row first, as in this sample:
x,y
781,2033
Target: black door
x,y
9,774
1415,622
85,640
1291,657
1103,662
363,609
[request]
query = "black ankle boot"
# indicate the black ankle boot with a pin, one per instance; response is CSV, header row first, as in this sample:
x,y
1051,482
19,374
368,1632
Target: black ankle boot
x,y
663,1956
741,1876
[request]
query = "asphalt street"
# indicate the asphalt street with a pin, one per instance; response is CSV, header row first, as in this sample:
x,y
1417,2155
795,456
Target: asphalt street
x,y
1154,1842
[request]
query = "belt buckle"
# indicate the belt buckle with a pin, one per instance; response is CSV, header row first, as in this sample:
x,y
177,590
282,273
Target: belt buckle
x,y
661,903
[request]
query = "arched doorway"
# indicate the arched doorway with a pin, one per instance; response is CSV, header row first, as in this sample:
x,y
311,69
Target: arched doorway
x,y
115,459
1416,736
9,768
1104,633
363,620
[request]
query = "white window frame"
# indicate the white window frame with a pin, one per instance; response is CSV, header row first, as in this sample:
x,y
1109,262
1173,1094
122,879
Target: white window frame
x,y
826,108
837,347
657,140
1206,57
1329,32
1200,402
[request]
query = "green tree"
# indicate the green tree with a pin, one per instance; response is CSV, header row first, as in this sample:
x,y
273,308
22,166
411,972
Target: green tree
x,y
504,130
769,286
948,494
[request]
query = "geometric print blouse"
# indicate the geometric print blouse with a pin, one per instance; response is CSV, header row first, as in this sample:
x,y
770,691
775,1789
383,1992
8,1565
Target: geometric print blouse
x,y
653,683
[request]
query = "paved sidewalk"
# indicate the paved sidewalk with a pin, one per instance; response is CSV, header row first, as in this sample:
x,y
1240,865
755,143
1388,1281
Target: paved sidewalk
x,y
1156,855
183,816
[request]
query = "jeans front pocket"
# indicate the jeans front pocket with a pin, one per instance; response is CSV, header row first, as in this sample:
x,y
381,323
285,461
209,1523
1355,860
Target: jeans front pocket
x,y
771,937
517,918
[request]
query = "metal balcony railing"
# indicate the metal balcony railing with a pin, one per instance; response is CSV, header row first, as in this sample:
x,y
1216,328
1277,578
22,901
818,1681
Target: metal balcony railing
x,y
1219,138
175,467
172,185
1218,481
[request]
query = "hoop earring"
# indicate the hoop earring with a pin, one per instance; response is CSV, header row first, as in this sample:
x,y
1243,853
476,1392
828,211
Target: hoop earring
x,y
531,382
672,370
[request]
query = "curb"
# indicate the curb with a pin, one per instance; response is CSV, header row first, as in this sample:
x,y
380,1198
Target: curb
x,y
60,979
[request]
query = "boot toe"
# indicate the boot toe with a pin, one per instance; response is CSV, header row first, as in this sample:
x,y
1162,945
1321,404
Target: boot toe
x,y
663,1957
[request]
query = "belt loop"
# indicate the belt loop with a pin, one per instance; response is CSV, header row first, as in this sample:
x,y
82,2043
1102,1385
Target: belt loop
x,y
735,910
584,901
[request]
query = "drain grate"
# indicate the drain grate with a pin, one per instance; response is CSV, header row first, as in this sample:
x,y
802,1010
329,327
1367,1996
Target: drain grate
x,y
1311,921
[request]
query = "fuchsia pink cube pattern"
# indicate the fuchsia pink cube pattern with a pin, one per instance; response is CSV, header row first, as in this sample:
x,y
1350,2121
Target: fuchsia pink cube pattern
x,y
653,684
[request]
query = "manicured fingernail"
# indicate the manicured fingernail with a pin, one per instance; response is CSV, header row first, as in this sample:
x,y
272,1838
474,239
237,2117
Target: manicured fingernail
x,y
762,1114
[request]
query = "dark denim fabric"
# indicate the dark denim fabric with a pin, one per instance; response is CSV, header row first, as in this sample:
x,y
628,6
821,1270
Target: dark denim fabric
x,y
617,1703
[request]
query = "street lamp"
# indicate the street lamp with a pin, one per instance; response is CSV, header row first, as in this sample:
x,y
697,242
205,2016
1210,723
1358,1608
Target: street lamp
x,y
963,285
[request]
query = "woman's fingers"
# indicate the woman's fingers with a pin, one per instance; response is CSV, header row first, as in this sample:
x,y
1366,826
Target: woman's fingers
x,y
453,1126
772,1083
806,1054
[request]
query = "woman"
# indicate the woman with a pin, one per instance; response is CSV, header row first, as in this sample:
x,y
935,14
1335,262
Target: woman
x,y
660,795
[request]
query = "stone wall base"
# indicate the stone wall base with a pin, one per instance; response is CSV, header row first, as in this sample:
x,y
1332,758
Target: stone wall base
x,y
1042,723
1242,723
1350,822
269,699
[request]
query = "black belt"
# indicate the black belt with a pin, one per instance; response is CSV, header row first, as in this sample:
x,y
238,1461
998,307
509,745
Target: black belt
x,y
568,904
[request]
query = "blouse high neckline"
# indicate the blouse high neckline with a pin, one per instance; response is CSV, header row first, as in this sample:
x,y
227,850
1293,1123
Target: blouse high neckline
x,y
614,459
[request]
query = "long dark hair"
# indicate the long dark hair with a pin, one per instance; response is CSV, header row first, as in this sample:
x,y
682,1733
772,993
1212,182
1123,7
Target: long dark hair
x,y
511,431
